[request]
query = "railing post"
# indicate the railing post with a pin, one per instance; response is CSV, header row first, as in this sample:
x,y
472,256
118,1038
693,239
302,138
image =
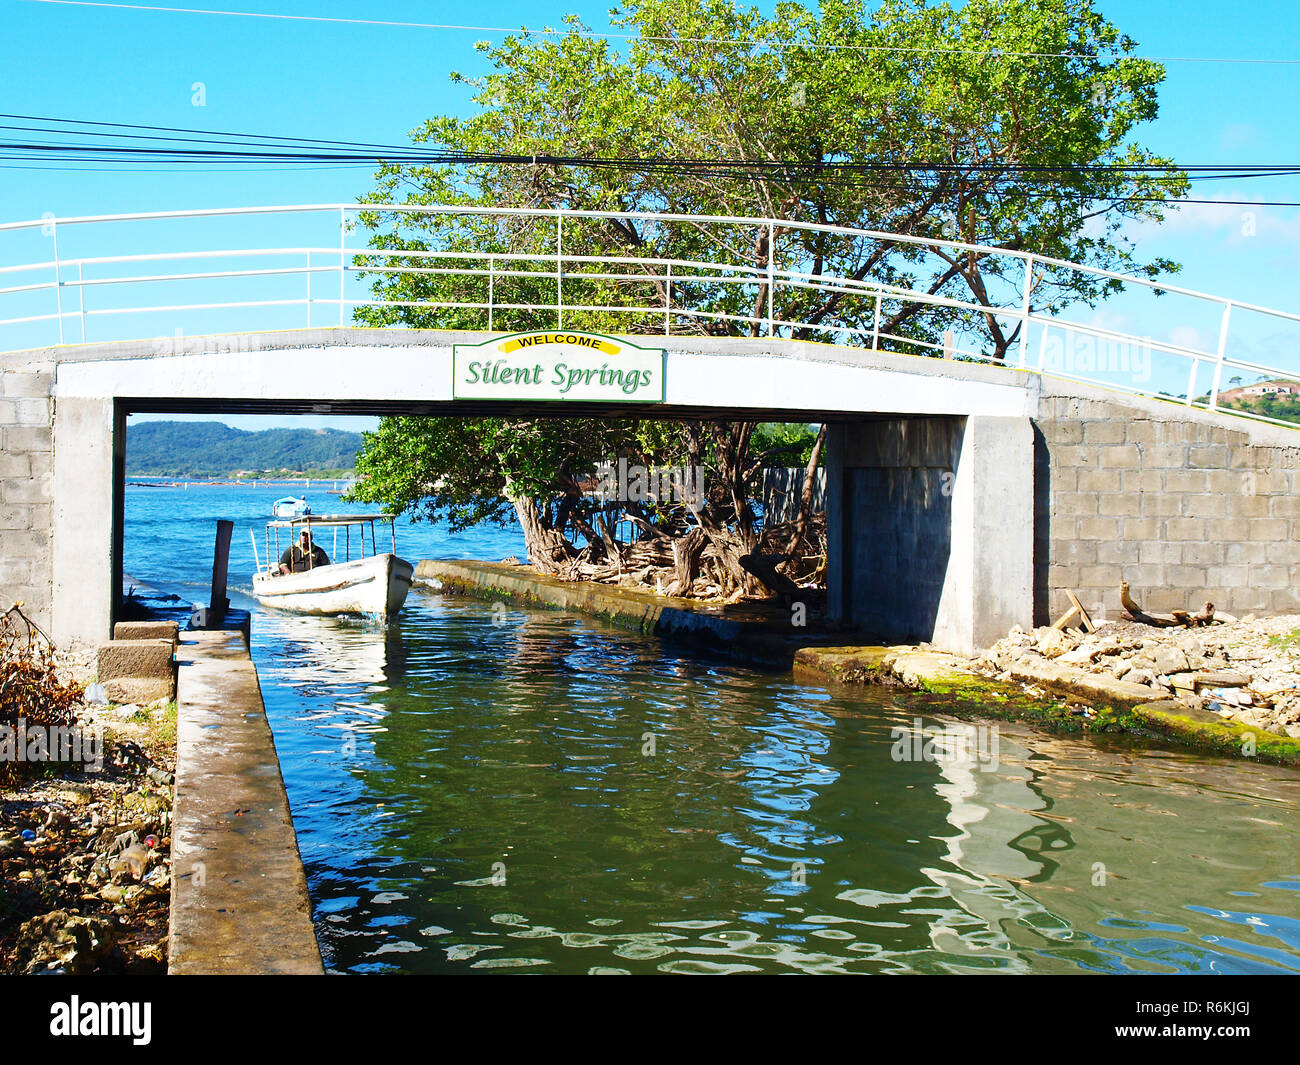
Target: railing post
x,y
1191,380
668,300
309,291
559,271
492,285
81,301
875,332
58,278
1024,308
1223,350
771,272
343,229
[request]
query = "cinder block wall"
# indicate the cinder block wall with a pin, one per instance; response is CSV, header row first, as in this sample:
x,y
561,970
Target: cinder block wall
x,y
1183,510
26,492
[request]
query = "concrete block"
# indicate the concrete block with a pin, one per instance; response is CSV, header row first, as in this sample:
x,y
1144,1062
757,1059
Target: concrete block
x,y
1283,552
1205,506
15,464
24,412
1062,432
1122,504
1208,456
15,516
136,658
1224,482
1185,529
1073,456
147,630
1140,432
14,573
1141,529
1267,529
1163,505
1245,553
1099,481
1121,456
1099,528
1185,481
1249,505
1270,577
1187,580
1074,503
1206,554
1116,552
1164,457
28,438
27,490
1107,432
14,383
1142,480
139,689
1287,506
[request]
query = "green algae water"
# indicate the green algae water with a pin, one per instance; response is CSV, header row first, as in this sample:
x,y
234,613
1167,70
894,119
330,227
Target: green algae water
x,y
481,788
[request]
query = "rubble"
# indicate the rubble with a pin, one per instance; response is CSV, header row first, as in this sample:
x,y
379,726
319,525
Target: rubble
x,y
1246,671
85,856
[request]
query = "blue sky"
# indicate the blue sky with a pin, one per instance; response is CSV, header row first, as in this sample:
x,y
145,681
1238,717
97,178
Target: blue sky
x,y
372,83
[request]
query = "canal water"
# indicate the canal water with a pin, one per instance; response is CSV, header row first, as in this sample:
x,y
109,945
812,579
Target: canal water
x,y
478,787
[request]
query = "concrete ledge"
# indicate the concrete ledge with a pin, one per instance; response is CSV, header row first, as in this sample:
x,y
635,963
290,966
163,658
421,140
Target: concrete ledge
x,y
239,894
1115,706
628,608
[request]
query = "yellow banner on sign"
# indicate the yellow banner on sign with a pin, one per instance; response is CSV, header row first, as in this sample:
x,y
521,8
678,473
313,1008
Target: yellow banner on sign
x,y
576,339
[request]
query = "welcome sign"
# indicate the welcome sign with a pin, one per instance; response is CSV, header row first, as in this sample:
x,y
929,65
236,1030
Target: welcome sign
x,y
558,364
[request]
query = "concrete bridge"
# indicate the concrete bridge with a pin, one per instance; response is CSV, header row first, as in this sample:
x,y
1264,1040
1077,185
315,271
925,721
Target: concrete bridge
x,y
963,496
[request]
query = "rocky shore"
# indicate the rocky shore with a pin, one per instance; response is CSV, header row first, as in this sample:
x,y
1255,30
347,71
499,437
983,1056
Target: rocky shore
x,y
1245,671
85,855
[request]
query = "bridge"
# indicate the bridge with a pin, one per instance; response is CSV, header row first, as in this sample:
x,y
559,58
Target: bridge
x,y
965,493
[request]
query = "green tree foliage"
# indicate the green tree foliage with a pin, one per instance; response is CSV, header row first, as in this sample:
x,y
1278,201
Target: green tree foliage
x,y
1022,110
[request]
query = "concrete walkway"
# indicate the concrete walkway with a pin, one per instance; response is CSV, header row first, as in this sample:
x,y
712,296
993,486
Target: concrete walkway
x,y
239,894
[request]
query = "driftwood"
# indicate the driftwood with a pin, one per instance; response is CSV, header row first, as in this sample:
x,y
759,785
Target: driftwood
x,y
1175,619
1076,609
764,568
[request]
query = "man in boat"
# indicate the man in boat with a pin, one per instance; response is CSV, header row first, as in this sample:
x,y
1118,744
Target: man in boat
x,y
303,555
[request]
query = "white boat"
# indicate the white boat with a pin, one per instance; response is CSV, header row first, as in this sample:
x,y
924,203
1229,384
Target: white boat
x,y
374,584
290,507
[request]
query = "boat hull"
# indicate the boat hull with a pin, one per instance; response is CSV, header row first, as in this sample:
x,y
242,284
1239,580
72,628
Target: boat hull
x,y
374,586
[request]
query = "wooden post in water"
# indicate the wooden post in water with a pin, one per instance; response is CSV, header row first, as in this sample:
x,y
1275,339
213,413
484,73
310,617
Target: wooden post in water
x,y
220,564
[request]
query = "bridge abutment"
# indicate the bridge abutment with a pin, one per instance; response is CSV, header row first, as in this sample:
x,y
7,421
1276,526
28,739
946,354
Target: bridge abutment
x,y
923,542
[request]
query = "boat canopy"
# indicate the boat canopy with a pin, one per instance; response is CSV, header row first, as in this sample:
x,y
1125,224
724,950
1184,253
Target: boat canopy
x,y
312,522
329,520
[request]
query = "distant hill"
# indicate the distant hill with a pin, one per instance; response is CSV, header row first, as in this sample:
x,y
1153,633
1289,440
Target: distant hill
x,y
211,449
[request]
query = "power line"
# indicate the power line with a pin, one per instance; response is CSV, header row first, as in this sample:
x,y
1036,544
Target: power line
x,y
636,37
257,150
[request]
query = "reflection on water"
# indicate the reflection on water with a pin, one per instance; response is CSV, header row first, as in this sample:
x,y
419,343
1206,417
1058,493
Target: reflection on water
x,y
478,791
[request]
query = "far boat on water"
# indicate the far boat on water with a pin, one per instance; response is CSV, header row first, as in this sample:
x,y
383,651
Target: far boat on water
x,y
373,585
290,507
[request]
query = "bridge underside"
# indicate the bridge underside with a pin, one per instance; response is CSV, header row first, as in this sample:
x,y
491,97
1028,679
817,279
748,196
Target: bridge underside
x,y
961,498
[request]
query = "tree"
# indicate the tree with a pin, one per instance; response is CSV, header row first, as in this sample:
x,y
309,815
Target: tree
x,y
1005,123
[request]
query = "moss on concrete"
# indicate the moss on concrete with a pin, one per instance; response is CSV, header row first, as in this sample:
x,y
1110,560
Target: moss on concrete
x,y
964,693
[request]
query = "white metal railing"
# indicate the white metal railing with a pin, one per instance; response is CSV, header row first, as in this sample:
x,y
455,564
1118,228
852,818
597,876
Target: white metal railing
x,y
49,295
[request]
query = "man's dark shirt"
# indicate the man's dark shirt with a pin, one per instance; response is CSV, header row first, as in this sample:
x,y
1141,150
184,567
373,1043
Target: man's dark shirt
x,y
296,558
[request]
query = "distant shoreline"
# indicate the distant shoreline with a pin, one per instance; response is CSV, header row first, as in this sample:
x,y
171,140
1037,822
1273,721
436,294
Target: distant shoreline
x,y
148,480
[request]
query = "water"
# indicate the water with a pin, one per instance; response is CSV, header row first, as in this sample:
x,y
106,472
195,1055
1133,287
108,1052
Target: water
x,y
481,788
